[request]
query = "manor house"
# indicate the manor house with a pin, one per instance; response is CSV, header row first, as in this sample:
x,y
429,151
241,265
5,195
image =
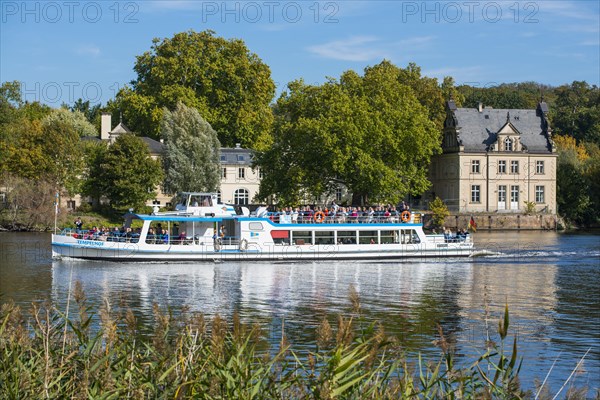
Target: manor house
x,y
496,160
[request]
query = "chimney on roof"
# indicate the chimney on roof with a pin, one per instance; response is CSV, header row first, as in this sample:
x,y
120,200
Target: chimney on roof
x,y
105,126
480,107
238,146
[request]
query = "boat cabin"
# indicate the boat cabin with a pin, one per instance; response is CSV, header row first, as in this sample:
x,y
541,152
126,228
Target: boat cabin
x,y
202,204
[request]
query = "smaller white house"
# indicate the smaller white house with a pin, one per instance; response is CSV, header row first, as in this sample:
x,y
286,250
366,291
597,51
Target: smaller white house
x,y
239,181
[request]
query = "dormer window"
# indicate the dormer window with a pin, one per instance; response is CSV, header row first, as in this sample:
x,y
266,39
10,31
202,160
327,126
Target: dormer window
x,y
508,144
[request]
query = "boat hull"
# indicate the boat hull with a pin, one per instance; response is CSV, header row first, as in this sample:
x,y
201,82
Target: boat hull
x,y
69,247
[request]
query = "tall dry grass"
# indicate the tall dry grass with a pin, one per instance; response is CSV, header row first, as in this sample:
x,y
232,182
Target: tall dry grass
x,y
189,356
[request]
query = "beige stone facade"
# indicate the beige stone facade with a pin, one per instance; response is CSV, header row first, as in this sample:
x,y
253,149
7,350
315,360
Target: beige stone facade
x,y
496,161
239,181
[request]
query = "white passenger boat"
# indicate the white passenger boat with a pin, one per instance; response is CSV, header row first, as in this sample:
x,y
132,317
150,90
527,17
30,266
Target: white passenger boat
x,y
200,229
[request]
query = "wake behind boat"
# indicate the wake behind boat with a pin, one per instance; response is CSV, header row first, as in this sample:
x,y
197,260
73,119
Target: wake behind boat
x,y
201,229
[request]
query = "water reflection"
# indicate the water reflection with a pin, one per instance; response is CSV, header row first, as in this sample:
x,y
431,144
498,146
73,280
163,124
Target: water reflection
x,y
549,280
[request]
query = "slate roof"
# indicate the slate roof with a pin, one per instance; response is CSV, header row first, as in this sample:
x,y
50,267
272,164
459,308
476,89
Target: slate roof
x,y
154,146
236,156
478,129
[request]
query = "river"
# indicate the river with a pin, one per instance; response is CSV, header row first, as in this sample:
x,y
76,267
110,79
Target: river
x,y
550,281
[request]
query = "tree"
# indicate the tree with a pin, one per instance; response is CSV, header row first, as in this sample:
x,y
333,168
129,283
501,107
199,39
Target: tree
x,y
94,155
76,119
369,133
10,100
577,180
20,132
91,113
62,160
577,111
427,90
42,149
439,211
230,86
524,95
129,176
191,158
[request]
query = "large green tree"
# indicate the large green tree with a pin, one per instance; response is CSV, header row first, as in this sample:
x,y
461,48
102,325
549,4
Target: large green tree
x,y
62,160
94,155
129,176
191,156
230,87
369,133
42,144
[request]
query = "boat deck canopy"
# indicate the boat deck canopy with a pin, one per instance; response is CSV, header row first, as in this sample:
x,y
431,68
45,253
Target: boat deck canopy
x,y
177,218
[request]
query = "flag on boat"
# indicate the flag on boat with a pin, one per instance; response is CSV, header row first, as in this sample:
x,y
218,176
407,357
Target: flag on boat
x,y
472,224
56,204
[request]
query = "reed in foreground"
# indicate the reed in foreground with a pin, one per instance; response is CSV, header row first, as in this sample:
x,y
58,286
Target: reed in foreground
x,y
54,355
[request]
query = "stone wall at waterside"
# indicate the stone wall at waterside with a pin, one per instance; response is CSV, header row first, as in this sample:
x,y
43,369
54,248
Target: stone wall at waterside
x,y
501,221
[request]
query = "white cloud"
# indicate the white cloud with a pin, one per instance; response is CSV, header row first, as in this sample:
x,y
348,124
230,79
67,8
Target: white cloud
x,y
367,48
88,50
566,9
356,48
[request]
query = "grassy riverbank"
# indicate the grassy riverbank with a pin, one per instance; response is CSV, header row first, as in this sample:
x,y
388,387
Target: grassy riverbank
x,y
58,354
24,221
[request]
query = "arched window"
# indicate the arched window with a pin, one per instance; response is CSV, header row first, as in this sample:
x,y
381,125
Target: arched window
x,y
508,144
240,197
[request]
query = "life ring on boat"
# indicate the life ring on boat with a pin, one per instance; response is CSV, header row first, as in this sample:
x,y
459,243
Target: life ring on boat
x,y
405,216
319,217
243,245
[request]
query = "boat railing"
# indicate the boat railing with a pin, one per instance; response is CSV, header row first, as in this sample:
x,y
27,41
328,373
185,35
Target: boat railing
x,y
280,218
441,238
230,241
111,236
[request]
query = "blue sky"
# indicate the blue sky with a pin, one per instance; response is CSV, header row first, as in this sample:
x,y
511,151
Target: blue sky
x,y
64,50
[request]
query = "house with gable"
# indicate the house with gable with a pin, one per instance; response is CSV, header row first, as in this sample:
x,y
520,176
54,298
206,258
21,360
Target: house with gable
x,y
496,160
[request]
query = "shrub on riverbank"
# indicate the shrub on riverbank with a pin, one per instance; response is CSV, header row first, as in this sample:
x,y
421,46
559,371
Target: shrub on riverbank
x,y
57,355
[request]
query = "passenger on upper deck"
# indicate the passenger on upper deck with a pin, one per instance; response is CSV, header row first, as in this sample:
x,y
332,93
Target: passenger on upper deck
x,y
334,207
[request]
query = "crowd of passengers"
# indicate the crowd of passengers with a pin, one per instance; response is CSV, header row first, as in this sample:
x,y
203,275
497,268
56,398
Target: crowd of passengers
x,y
339,214
449,237
156,235
115,234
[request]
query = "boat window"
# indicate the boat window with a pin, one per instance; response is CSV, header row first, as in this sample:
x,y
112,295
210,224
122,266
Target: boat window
x,y
302,237
255,226
346,237
206,201
388,237
366,237
280,237
324,237
162,232
195,201
409,236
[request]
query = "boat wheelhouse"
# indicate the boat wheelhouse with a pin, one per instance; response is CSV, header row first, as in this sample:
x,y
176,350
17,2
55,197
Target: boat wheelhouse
x,y
201,229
